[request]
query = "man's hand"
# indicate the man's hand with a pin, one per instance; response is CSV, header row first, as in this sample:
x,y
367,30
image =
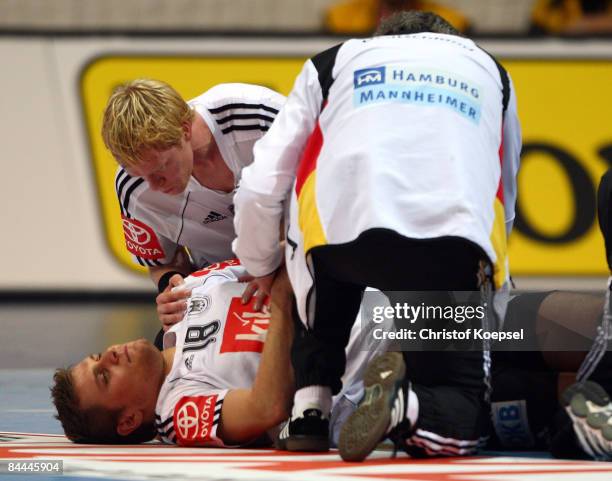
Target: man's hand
x,y
171,305
260,287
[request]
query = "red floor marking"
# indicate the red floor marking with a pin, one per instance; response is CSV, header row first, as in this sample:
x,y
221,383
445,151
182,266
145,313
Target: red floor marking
x,y
267,462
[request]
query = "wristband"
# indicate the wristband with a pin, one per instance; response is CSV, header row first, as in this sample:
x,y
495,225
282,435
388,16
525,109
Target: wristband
x,y
165,280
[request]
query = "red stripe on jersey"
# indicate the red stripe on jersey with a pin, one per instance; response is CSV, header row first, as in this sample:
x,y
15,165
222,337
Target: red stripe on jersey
x,y
500,187
308,163
217,266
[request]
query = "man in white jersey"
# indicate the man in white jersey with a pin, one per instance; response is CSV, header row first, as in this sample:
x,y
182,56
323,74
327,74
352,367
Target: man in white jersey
x,y
180,163
217,349
216,383
399,154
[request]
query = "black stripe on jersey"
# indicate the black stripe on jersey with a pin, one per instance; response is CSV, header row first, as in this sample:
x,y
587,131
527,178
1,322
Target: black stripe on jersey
x,y
124,194
183,218
225,107
140,261
231,117
120,185
128,193
217,413
161,424
119,178
324,63
505,85
505,81
166,434
124,180
231,128
192,379
197,347
165,426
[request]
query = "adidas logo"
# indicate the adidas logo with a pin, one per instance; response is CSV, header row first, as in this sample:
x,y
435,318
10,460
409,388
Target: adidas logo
x,y
213,217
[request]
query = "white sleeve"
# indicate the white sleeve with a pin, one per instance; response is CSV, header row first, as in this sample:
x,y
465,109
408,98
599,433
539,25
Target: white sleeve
x,y
266,183
511,158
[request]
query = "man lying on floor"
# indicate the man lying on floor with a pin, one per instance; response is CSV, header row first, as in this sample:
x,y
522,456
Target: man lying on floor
x,y
216,383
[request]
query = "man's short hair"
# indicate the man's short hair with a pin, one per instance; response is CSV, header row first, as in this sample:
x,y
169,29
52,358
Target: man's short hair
x,y
143,114
414,21
95,425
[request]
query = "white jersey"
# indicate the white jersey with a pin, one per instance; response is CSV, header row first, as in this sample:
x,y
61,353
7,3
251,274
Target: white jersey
x,y
218,348
201,219
414,133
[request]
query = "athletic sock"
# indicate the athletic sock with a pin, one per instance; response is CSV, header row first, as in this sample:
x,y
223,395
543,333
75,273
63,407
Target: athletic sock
x,y
312,397
412,410
405,406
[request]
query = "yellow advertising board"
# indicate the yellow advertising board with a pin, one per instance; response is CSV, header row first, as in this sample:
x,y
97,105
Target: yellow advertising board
x,y
564,108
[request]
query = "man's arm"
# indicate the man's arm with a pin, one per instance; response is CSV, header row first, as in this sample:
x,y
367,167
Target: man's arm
x,y
511,157
267,181
171,305
180,263
249,413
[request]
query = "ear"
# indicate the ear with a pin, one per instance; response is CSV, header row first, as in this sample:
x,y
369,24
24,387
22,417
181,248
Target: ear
x,y
129,421
187,127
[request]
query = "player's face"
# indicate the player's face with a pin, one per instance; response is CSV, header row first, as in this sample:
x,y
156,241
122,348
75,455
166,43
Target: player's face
x,y
166,171
124,376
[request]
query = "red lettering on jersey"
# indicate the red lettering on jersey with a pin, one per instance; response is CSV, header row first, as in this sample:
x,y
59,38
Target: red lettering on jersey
x,y
217,266
141,240
194,419
245,328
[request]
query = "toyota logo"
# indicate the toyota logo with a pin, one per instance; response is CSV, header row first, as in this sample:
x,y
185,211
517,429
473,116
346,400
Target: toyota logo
x,y
186,419
135,233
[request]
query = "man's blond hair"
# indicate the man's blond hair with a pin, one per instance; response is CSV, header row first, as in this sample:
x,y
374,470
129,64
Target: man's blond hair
x,y
143,114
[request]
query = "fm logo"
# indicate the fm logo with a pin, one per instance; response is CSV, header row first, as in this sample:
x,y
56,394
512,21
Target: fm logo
x,y
369,76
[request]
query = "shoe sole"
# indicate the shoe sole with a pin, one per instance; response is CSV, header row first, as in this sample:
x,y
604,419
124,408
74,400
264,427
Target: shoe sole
x,y
578,400
308,444
365,427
